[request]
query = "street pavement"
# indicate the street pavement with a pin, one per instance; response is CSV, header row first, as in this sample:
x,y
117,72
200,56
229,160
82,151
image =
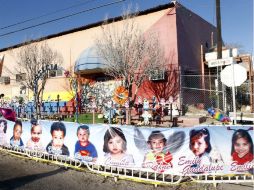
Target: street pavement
x,y
24,174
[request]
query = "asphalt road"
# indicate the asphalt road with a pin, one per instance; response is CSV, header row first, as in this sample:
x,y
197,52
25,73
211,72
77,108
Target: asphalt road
x,y
24,174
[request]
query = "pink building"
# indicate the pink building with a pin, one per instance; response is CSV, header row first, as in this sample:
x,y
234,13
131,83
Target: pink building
x,y
181,32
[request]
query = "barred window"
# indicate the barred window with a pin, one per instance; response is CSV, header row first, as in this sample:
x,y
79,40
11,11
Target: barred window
x,y
55,73
157,75
20,77
5,80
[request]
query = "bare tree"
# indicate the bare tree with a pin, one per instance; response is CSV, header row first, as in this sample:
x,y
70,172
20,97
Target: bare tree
x,y
69,84
130,54
32,60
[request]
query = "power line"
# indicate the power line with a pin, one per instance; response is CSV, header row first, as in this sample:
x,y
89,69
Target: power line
x,y
60,18
47,14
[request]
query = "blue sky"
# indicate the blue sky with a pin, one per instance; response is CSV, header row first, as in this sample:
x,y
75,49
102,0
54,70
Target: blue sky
x,y
237,17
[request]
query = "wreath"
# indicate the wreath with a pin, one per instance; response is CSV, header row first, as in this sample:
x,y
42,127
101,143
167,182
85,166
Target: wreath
x,y
120,95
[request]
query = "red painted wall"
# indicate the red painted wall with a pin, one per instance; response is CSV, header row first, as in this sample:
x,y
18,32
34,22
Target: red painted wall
x,y
181,32
166,28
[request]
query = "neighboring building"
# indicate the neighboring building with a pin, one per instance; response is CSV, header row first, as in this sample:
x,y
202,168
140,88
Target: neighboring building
x,y
181,33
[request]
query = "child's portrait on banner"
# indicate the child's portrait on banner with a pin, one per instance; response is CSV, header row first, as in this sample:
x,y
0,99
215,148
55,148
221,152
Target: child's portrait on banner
x,y
84,149
56,145
242,147
158,158
115,148
200,145
16,140
34,143
3,129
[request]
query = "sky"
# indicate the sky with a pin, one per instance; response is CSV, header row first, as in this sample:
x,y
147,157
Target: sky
x,y
38,17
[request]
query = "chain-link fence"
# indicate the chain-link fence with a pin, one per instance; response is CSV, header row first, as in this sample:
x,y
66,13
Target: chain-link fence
x,y
199,91
208,91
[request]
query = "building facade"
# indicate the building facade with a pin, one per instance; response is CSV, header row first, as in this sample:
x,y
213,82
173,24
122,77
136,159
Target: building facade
x,y
181,33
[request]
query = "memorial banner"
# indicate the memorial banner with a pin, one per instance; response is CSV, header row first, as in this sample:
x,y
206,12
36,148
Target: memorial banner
x,y
179,151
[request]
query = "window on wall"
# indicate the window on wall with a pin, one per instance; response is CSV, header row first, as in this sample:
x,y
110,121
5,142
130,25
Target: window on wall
x,y
55,73
22,90
157,75
5,80
102,78
20,77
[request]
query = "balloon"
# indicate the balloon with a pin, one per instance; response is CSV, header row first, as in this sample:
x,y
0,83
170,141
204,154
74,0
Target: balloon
x,y
8,114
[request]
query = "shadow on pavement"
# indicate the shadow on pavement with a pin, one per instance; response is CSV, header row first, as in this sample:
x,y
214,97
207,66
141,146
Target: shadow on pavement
x,y
20,181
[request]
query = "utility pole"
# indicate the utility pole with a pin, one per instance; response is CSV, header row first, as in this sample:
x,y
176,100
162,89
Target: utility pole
x,y
219,38
219,51
219,56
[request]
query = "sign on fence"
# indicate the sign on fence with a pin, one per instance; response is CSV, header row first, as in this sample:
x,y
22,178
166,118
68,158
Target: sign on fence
x,y
179,151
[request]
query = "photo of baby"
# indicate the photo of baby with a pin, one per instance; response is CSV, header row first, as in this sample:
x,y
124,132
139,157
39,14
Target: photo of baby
x,y
84,149
34,142
56,145
115,147
16,140
3,129
200,145
242,147
158,153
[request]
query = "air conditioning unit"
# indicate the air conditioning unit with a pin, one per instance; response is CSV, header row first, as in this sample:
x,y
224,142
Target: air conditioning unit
x,y
157,75
5,80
